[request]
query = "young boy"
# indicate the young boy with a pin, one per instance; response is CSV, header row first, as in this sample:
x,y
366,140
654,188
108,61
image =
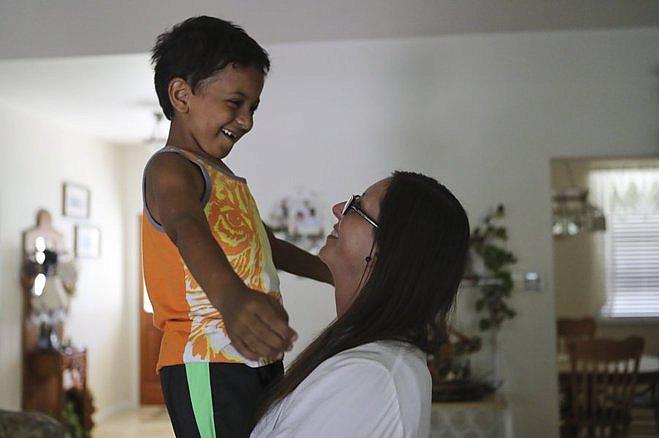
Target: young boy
x,y
209,261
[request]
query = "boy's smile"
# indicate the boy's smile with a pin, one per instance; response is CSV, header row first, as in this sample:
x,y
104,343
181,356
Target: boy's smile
x,y
229,134
220,112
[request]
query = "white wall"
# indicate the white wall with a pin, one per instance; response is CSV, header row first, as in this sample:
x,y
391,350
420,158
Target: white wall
x,y
484,114
37,157
579,271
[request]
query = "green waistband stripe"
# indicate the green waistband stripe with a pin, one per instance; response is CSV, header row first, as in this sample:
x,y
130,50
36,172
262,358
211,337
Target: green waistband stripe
x,y
199,385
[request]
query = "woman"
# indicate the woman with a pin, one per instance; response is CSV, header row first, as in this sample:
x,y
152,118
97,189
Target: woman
x,y
397,255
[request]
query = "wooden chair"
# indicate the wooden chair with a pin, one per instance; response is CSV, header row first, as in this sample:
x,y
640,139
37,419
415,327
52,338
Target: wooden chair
x,y
569,329
602,384
647,399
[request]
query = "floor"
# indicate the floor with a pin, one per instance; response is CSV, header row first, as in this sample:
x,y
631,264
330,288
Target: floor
x,y
146,422
153,422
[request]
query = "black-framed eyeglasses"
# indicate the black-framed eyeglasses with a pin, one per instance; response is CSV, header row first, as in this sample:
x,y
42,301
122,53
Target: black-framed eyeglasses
x,y
353,204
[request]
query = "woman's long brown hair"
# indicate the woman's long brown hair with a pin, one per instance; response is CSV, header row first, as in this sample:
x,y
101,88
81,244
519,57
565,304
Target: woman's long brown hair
x,y
421,245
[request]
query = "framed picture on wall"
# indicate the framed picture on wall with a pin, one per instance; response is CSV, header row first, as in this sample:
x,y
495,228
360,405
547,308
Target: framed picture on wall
x,y
87,241
75,201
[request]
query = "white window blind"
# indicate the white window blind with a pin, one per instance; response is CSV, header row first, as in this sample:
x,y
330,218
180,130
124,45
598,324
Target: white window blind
x,y
632,266
630,201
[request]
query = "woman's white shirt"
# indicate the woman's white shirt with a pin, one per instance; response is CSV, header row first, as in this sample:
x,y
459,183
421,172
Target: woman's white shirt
x,y
381,389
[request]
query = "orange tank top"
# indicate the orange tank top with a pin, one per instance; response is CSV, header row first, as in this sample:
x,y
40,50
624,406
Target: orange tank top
x,y
193,330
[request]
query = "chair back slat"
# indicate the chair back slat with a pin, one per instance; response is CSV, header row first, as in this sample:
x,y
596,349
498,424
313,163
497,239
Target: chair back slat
x,y
602,383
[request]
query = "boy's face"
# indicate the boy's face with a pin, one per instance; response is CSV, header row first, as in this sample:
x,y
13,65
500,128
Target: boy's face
x,y
222,109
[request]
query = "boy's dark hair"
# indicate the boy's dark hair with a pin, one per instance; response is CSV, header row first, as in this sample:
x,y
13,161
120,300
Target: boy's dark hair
x,y
198,48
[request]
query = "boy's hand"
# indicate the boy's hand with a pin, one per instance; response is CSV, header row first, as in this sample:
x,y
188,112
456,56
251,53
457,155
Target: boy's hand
x,y
257,324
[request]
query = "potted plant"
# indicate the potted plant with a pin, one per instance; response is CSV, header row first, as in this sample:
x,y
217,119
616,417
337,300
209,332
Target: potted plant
x,y
490,263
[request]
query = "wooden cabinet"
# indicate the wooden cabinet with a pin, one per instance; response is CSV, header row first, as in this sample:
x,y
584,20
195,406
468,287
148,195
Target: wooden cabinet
x,y
49,375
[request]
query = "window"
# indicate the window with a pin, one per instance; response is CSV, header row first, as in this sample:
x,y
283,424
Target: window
x,y
630,201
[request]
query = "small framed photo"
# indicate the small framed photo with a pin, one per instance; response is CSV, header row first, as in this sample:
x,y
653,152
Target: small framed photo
x,y
87,241
75,201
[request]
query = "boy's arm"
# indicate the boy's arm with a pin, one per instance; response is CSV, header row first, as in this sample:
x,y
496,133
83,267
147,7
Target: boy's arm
x,y
294,260
255,322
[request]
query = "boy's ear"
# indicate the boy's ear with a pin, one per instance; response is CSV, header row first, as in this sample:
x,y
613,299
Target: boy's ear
x,y
179,94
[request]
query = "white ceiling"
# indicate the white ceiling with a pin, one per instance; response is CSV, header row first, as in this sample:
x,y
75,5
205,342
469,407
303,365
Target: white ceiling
x,y
108,97
37,28
111,96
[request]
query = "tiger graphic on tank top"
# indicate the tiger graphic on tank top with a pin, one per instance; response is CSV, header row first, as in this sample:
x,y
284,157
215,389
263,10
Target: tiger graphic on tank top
x,y
193,330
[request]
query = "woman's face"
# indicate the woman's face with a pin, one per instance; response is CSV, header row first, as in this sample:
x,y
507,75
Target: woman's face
x,y
351,242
